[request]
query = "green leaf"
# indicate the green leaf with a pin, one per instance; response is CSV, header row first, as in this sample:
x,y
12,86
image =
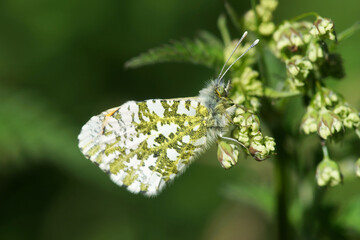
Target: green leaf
x,y
206,50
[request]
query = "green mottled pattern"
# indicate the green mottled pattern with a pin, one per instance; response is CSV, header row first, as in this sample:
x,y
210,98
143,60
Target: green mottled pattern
x,y
143,145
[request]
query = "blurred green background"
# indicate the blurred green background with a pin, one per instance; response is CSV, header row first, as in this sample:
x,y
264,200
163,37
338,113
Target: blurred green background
x,y
61,62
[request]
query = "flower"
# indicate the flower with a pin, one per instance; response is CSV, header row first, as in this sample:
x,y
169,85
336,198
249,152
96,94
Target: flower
x,y
328,173
309,121
323,28
227,154
328,123
247,132
314,52
264,14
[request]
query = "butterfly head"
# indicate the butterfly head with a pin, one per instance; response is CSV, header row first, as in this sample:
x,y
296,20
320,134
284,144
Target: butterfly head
x,y
221,89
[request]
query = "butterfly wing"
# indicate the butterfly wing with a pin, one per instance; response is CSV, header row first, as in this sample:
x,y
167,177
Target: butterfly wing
x,y
144,145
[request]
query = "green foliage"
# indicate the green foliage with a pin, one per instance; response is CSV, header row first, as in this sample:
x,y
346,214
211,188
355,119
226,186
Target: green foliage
x,y
205,50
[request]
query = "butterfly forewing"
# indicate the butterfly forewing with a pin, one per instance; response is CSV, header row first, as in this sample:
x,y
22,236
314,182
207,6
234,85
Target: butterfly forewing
x,y
143,145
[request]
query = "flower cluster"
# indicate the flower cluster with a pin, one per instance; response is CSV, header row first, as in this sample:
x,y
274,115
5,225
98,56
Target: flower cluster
x,y
262,17
323,28
247,88
248,133
328,113
302,47
328,173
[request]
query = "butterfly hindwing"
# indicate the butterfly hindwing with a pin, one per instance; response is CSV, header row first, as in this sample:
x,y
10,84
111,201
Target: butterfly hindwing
x,y
143,145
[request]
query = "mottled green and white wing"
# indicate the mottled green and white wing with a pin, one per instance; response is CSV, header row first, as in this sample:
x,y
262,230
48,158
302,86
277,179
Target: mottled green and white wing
x,y
144,145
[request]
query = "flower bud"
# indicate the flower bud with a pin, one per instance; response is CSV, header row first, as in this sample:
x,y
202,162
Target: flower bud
x,y
323,27
269,4
328,123
270,144
309,121
266,28
314,51
328,173
352,120
227,154
299,68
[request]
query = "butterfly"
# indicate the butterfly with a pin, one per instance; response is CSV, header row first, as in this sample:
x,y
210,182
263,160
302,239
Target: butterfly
x,y
144,145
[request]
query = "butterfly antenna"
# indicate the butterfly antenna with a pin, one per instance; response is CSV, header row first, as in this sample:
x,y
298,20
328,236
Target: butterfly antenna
x,y
252,45
237,45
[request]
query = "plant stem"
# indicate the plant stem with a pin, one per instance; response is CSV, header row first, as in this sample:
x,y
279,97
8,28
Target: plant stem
x,y
282,184
304,15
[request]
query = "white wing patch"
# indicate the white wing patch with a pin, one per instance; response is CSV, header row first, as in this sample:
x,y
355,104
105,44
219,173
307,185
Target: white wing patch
x,y
144,145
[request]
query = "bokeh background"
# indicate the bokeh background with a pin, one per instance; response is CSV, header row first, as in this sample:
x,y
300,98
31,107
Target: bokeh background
x,y
63,61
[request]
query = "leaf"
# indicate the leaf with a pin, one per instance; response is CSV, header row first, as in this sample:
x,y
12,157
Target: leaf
x,y
206,50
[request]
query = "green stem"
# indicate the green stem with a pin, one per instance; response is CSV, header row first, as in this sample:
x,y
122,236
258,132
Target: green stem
x,y
282,181
224,30
304,15
282,185
325,150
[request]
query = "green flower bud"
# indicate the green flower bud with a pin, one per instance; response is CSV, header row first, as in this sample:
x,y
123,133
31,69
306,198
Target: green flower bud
x,y
352,120
266,28
309,121
330,97
239,111
323,27
323,130
314,52
258,151
293,69
270,144
264,13
342,110
248,83
358,167
227,154
299,68
269,4
260,148
328,123
249,20
328,173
